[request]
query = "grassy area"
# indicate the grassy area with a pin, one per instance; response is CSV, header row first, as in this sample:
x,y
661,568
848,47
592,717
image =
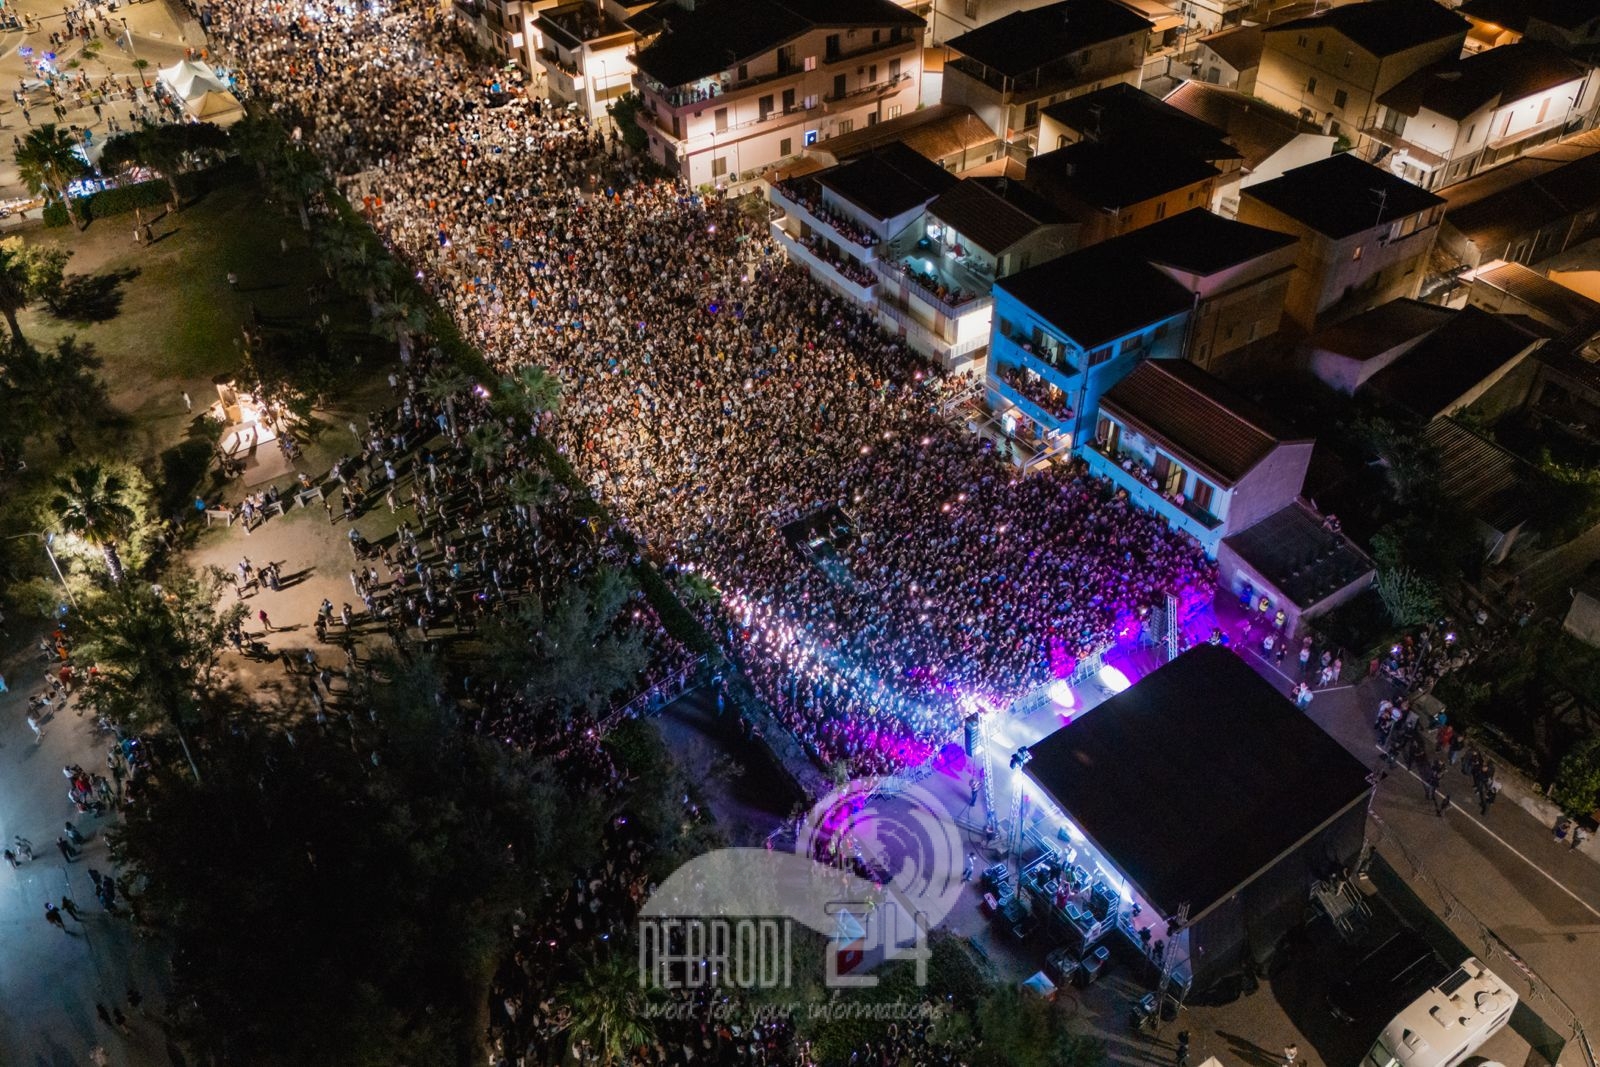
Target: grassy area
x,y
164,320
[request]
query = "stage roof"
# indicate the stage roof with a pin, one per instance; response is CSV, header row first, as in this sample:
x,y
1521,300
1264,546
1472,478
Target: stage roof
x,y
1197,778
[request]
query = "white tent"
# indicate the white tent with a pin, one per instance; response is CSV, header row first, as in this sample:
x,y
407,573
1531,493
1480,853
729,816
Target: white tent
x,y
219,107
190,79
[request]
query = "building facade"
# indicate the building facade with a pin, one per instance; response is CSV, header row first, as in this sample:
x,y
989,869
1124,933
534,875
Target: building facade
x,y
730,87
584,57
1331,67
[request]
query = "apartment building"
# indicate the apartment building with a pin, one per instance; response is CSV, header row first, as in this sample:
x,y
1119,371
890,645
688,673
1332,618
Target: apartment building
x,y
1460,116
1010,70
730,87
584,55
1364,235
1331,67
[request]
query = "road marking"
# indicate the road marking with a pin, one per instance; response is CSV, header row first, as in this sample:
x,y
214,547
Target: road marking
x,y
1508,846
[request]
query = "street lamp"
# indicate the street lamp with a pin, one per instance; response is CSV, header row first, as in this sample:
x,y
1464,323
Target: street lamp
x,y
46,538
127,35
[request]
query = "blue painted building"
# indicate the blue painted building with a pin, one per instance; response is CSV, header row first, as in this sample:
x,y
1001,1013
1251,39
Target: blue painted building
x,y
1068,330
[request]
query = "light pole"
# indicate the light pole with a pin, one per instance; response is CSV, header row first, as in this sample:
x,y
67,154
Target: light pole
x,y
45,538
127,35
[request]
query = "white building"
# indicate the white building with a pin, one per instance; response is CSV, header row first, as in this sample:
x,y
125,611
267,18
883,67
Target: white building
x,y
584,57
730,87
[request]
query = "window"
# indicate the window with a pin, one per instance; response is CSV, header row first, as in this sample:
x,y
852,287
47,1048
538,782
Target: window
x,y
1340,98
1202,495
846,125
1130,344
838,86
831,49
892,111
894,70
1099,356
788,100
719,167
811,102
970,9
1311,85
1303,40
872,74
1348,56
1471,130
1394,121
786,59
872,118
1030,115
811,63
764,106
786,146
720,118
1319,48
877,35
1161,208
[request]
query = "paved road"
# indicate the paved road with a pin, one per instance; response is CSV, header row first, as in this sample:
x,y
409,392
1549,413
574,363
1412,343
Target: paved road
x,y
1500,872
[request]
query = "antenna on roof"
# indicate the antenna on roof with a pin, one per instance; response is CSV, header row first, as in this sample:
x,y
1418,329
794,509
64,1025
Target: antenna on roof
x,y
1383,202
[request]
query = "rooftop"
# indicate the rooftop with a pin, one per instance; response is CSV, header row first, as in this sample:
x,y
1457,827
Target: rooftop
x,y
1488,482
1384,27
1113,176
1565,307
1122,115
1097,295
936,132
1024,41
575,23
720,34
993,213
887,181
1457,88
1307,563
1198,242
1239,47
1197,779
1342,196
1450,361
1205,422
1382,329
1256,129
1515,14
1518,198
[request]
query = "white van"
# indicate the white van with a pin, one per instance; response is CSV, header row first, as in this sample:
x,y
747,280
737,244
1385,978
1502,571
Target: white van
x,y
1448,1023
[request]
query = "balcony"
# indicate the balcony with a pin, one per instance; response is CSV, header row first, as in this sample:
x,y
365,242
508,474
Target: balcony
x,y
1138,479
842,274
1059,371
1040,416
951,355
851,97
904,44
802,198
708,91
939,293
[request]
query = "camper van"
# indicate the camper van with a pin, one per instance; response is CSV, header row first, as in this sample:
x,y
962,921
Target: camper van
x,y
1448,1023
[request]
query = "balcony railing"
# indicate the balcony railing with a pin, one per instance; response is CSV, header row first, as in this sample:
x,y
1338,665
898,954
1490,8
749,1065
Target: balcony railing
x,y
850,278
929,289
1140,479
873,87
1043,416
1059,370
802,197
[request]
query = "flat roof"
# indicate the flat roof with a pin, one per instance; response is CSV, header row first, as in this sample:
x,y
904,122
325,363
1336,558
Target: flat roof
x,y
1303,561
1116,175
1024,41
1449,362
1342,196
1495,210
1119,113
888,180
935,132
1098,294
1199,242
719,34
1384,27
1197,778
1195,415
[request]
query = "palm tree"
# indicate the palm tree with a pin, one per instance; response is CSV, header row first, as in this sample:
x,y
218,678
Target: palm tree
x,y
49,161
259,141
486,445
445,385
165,149
399,321
534,490
608,1011
531,391
90,501
299,177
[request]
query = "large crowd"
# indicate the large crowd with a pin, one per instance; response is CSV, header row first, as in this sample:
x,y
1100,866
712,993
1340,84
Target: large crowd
x,y
715,393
